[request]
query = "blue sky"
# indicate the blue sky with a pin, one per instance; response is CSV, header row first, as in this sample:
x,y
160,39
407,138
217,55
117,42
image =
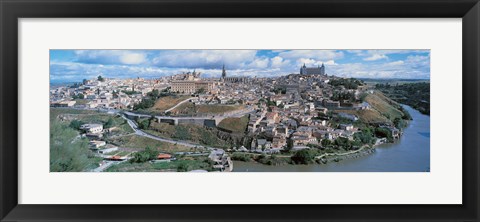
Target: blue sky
x,y
75,65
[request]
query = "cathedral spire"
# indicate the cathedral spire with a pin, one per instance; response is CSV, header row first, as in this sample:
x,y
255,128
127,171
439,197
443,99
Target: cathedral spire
x,y
224,73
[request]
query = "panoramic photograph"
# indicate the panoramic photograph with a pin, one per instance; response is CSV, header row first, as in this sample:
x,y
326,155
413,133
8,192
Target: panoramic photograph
x,y
239,110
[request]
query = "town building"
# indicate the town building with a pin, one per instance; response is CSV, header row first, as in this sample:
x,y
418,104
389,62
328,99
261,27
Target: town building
x,y
92,128
237,79
320,70
187,86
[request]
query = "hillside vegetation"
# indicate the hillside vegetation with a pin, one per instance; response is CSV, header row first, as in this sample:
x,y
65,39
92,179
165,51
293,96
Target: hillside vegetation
x,y
167,102
416,95
382,109
134,142
187,132
190,108
368,116
384,105
69,152
234,125
217,108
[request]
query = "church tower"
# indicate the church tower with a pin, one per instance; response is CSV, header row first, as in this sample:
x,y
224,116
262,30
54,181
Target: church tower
x,y
322,69
303,69
224,73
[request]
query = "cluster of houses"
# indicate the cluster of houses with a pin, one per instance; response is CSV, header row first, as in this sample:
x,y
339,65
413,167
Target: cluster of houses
x,y
94,132
289,110
104,93
221,161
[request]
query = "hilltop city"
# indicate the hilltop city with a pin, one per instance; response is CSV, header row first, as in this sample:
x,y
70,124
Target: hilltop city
x,y
185,122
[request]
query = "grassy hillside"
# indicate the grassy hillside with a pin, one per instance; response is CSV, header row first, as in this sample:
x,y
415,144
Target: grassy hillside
x,y
188,132
182,164
138,142
416,95
90,116
235,125
187,108
367,116
190,109
54,112
167,102
217,108
383,109
384,105
69,152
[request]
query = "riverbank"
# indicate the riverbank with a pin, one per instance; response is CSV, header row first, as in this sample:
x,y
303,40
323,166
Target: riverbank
x,y
336,157
286,159
411,153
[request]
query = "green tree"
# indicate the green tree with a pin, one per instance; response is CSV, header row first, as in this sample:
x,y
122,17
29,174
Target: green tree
x,y
145,155
143,123
304,156
383,132
146,103
200,91
364,136
109,123
326,142
183,167
289,145
154,93
343,142
67,151
100,78
75,124
399,123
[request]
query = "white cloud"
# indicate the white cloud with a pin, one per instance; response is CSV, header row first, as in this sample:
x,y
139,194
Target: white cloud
x,y
278,62
399,62
415,66
133,58
312,54
418,59
204,58
111,57
260,63
157,63
375,57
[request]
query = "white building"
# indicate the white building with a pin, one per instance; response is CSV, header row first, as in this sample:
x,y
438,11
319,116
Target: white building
x,y
92,128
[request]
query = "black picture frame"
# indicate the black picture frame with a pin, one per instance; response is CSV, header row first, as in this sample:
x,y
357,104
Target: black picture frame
x,y
11,11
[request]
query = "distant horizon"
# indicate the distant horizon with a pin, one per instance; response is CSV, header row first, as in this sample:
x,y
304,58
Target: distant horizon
x,y
76,65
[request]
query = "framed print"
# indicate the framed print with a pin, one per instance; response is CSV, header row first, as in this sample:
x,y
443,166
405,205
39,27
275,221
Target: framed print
x,y
270,110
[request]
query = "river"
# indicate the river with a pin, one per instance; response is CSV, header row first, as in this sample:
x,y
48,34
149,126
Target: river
x,y
409,154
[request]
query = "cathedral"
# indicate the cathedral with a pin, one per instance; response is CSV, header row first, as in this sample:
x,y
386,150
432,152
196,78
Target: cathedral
x,y
320,70
238,79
